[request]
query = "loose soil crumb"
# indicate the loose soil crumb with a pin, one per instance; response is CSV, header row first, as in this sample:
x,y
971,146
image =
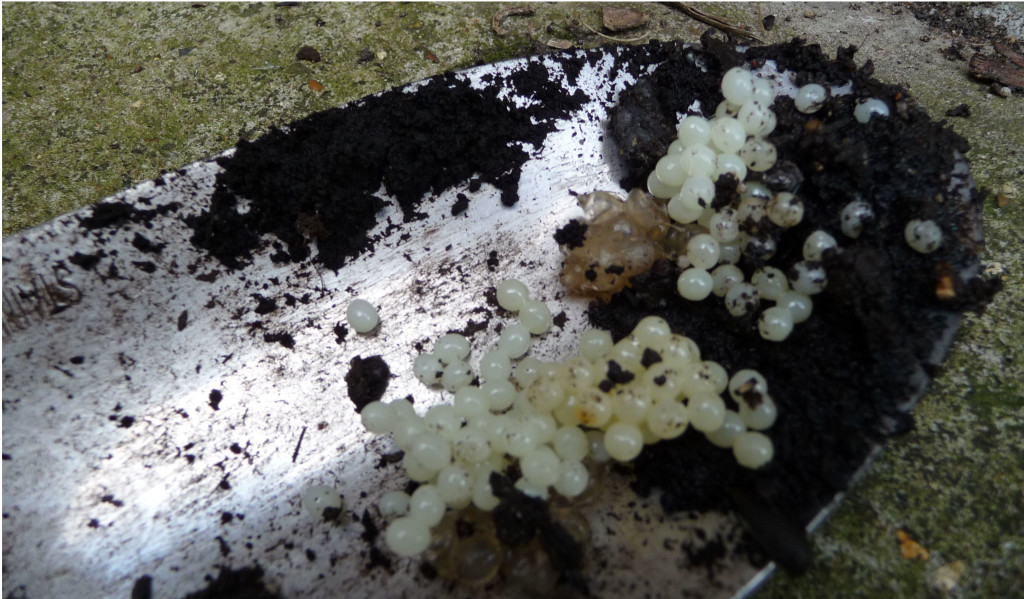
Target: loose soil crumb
x,y
367,379
244,583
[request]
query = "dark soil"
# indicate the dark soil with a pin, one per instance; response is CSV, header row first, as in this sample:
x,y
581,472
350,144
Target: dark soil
x,y
244,583
318,181
367,379
842,378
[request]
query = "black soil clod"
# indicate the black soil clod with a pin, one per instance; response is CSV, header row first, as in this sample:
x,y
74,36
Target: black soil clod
x,y
367,379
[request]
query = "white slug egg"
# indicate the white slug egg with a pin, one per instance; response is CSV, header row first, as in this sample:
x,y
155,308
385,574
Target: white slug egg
x,y
431,450
730,252
697,193
573,478
742,299
756,118
798,304
785,209
658,189
470,445
451,348
317,498
758,154
923,236
669,170
698,161
728,135
454,486
762,247
541,467
623,442
751,210
407,536
724,277
443,420
456,375
854,217
362,316
730,163
808,278
426,505
653,332
571,443
775,324
695,284
770,282
725,435
817,243
761,416
694,130
500,394
726,109
471,401
378,418
746,381
668,419
737,85
810,98
428,369
393,504
706,412
703,251
595,343
870,108
724,226
763,92
681,212
752,449
514,340
511,294
495,366
535,316
483,497
681,351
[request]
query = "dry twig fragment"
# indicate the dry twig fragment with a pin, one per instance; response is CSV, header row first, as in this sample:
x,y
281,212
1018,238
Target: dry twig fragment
x,y
715,21
993,68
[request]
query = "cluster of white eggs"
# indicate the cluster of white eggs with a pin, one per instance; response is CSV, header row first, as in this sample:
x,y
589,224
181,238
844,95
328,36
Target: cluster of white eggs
x,y
548,417
703,151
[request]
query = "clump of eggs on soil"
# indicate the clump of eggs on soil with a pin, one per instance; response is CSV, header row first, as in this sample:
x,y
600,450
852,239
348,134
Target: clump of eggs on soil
x,y
555,421
719,242
550,426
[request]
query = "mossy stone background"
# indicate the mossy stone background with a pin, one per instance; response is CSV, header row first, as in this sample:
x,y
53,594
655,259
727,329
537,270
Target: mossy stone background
x,y
98,97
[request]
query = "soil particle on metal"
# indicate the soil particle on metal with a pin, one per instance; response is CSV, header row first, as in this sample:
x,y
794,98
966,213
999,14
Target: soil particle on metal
x,y
244,583
331,165
367,379
571,235
215,398
285,339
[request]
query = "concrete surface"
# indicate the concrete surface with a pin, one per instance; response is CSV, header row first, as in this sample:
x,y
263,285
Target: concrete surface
x,y
99,97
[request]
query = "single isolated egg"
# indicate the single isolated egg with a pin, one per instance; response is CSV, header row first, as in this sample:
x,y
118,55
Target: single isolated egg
x,y
362,316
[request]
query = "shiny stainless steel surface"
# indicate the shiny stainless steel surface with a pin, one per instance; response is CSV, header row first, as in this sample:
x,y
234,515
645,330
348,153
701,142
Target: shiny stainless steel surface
x,y
93,500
